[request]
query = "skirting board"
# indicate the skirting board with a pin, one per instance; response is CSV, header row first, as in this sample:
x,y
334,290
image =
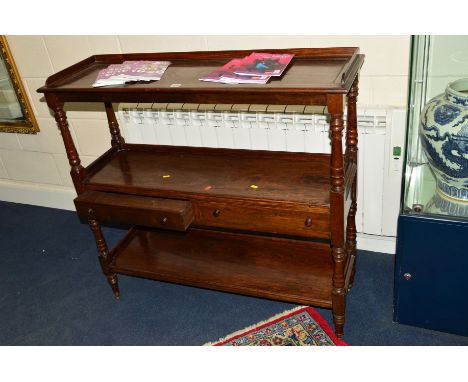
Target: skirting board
x,y
375,243
62,198
44,195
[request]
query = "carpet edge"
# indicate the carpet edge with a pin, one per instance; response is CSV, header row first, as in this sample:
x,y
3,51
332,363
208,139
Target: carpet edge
x,y
316,316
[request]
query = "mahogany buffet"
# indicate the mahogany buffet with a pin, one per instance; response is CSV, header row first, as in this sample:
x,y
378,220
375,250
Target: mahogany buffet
x,y
195,218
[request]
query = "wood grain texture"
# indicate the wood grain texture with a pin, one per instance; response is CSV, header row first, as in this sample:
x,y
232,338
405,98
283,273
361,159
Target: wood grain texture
x,y
105,258
77,171
256,216
312,75
351,123
203,173
130,209
352,157
283,269
116,138
335,107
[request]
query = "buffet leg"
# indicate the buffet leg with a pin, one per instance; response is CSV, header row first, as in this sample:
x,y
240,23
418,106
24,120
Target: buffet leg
x,y
352,155
335,108
104,257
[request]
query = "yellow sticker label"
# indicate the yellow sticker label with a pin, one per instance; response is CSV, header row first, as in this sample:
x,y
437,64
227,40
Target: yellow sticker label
x,y
166,176
253,186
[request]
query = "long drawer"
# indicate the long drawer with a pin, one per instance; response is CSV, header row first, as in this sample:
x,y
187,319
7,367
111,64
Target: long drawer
x,y
293,219
139,210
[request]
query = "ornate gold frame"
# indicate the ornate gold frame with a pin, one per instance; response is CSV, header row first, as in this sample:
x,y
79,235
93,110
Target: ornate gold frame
x,y
29,126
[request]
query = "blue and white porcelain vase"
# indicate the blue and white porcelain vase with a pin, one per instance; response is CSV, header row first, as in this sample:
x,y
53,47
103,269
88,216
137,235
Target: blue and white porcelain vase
x,y
444,136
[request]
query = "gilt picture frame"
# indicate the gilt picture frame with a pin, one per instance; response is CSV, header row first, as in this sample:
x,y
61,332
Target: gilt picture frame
x,y
16,113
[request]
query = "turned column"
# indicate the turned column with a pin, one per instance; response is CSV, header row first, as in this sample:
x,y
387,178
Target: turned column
x,y
77,171
116,138
352,156
104,256
351,123
335,108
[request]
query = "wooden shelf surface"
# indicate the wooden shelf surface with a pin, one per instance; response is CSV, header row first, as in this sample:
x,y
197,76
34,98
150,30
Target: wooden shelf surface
x,y
312,74
188,72
187,172
288,270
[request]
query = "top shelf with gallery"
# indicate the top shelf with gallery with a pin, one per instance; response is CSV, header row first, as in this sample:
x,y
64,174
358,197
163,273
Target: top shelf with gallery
x,y
312,74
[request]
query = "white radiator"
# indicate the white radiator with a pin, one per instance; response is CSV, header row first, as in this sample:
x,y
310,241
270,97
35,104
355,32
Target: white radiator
x,y
281,128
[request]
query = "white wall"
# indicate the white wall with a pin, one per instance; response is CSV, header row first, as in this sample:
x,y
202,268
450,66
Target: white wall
x,y
448,62
34,168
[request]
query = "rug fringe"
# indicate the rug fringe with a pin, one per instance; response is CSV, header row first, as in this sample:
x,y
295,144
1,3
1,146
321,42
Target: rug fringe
x,y
261,323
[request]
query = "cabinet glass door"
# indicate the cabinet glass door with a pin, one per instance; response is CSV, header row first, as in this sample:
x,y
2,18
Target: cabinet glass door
x,y
436,61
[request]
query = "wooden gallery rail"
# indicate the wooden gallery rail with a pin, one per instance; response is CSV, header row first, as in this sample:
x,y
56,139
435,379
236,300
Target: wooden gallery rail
x,y
195,217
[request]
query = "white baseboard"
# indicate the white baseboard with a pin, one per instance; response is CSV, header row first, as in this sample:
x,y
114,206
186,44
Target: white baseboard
x,y
375,243
44,195
62,198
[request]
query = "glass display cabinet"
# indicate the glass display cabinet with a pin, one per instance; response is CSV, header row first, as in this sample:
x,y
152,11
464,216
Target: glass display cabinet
x,y
432,242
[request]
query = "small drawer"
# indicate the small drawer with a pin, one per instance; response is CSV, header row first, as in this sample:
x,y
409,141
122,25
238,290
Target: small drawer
x,y
296,220
138,210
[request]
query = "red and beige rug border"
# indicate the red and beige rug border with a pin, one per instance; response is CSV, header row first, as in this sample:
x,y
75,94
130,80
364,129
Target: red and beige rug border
x,y
279,317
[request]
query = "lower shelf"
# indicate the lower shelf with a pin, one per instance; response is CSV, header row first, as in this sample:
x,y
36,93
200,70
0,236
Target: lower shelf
x,y
276,268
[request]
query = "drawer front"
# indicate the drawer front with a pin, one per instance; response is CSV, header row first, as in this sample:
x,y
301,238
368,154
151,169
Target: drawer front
x,y
136,210
297,220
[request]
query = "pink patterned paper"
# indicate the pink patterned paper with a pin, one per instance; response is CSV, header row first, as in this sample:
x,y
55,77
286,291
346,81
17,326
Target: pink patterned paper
x,y
226,74
264,64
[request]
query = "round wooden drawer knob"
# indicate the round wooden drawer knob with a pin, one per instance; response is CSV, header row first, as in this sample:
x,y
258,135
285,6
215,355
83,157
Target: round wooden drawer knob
x,y
216,213
308,222
164,220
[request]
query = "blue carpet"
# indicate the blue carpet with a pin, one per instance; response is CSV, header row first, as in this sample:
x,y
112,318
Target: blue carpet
x,y
52,292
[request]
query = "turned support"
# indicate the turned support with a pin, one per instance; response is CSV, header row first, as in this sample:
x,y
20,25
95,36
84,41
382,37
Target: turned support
x,y
352,156
335,108
351,123
104,256
116,138
77,171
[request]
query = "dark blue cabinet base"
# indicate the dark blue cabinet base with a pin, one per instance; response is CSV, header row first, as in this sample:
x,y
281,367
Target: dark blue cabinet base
x,y
431,274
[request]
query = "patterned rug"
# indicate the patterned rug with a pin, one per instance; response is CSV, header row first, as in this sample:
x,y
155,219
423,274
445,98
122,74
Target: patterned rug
x,y
302,326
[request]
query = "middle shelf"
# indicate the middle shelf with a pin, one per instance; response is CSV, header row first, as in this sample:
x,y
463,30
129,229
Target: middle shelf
x,y
183,172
